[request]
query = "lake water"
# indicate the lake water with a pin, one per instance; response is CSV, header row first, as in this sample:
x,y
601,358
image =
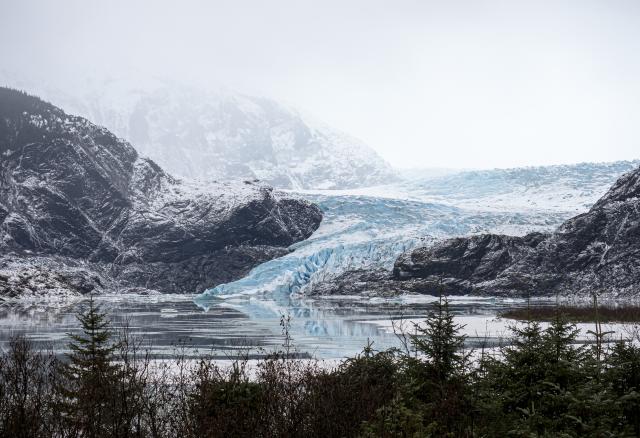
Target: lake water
x,y
321,328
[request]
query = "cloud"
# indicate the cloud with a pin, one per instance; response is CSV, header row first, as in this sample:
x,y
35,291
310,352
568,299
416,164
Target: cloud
x,y
455,84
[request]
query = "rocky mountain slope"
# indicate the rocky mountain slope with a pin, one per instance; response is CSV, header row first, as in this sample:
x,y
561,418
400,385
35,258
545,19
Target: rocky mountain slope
x,y
222,135
598,251
81,208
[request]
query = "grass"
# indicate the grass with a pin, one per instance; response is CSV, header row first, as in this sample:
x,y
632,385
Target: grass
x,y
625,313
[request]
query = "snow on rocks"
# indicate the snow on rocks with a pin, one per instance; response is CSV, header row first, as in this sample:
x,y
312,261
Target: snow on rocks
x,y
84,194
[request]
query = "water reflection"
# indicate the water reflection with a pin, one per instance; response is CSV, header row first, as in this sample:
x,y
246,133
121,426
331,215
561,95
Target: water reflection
x,y
323,328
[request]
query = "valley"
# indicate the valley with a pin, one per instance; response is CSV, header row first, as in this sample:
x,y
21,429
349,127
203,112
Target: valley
x,y
362,230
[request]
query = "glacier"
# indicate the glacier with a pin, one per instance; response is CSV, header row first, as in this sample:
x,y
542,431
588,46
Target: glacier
x,y
369,228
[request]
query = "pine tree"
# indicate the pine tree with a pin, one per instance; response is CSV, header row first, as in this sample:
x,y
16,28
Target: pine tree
x,y
89,375
440,341
438,375
519,375
538,376
561,354
623,377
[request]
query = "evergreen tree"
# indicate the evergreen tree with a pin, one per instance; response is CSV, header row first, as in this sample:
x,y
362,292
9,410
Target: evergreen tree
x,y
438,375
90,376
623,377
564,373
543,382
563,358
441,343
518,377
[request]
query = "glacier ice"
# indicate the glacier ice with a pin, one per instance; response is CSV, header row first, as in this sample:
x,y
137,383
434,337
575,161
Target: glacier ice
x,y
364,232
370,228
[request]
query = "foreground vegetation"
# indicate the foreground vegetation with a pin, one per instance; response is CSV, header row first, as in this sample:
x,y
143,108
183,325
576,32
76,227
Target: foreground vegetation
x,y
541,385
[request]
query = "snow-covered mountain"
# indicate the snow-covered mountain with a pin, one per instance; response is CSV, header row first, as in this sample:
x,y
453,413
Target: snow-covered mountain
x,y
79,207
220,135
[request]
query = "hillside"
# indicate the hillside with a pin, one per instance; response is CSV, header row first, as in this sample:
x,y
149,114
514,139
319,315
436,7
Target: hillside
x,y
71,189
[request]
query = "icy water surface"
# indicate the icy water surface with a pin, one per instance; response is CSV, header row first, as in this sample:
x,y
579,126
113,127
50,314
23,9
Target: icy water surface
x,y
326,328
322,328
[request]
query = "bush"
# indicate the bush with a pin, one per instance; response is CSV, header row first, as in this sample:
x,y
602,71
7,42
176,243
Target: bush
x,y
26,392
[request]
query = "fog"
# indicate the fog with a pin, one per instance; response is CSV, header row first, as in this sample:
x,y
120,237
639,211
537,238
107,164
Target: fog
x,y
426,84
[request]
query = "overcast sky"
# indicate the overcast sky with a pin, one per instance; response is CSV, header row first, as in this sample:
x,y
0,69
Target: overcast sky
x,y
427,84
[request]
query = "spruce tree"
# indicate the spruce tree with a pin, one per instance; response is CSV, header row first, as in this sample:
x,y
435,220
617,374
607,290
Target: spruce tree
x,y
89,375
623,378
440,341
519,375
562,356
537,378
438,374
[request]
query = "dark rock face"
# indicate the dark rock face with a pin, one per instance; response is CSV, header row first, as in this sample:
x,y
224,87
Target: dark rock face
x,y
595,251
71,189
196,273
374,282
454,265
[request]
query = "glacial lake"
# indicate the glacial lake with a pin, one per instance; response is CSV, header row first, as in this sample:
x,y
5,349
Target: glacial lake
x,y
324,328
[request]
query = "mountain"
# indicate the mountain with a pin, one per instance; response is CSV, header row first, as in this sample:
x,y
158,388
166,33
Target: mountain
x,y
222,135
598,251
80,210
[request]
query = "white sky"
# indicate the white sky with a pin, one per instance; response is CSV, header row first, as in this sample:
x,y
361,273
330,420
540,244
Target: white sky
x,y
427,84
